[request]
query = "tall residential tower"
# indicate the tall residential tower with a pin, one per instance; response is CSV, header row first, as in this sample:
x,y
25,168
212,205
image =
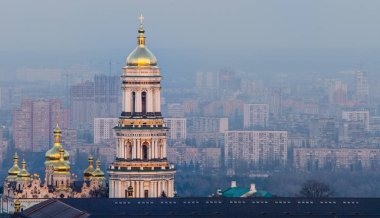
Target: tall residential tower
x,y
141,168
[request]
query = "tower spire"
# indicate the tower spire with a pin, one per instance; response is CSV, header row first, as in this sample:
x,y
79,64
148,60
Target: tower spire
x,y
141,37
141,18
57,135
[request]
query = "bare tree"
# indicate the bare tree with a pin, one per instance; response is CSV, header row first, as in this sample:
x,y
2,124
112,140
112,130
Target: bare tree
x,y
315,189
163,194
101,192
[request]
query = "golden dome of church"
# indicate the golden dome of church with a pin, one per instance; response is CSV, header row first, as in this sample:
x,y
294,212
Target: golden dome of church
x,y
98,173
23,174
87,173
141,56
53,154
62,166
15,169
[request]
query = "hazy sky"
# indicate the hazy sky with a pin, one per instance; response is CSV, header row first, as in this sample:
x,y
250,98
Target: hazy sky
x,y
72,26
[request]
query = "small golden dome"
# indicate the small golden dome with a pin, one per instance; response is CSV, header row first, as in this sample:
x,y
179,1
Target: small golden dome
x,y
62,166
141,56
23,172
53,153
98,173
15,169
88,172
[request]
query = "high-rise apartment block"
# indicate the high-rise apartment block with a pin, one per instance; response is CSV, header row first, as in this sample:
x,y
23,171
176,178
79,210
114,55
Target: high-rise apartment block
x,y
255,150
256,115
362,87
176,110
103,129
82,105
324,132
338,92
361,116
22,126
34,121
176,128
207,80
202,157
106,96
274,99
206,131
207,124
329,159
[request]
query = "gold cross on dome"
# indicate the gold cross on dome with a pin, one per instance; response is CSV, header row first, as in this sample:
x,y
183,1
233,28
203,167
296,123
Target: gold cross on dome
x,y
141,18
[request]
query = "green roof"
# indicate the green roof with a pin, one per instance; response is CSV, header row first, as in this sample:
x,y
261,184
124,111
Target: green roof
x,y
238,192
235,192
262,194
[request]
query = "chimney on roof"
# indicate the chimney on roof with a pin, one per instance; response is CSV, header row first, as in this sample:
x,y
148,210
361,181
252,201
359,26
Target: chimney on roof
x,y
252,188
233,184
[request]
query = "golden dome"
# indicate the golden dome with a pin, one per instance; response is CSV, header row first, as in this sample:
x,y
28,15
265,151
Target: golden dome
x,y
23,174
88,172
15,169
98,173
53,153
141,56
62,166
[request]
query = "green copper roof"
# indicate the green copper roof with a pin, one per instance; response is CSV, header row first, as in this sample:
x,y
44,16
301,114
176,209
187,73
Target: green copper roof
x,y
235,192
238,192
262,194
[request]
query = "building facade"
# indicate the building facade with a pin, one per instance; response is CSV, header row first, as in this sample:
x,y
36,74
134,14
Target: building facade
x,y
361,116
82,105
141,168
330,159
103,129
255,150
204,158
33,122
177,128
206,131
106,95
362,87
256,115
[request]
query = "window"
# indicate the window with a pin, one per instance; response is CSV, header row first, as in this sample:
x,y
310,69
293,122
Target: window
x,y
133,102
143,102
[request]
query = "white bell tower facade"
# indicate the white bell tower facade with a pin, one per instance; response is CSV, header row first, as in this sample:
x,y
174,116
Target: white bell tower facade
x,y
141,169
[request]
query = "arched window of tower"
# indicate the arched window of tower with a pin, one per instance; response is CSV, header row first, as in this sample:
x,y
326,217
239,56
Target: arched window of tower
x,y
129,150
133,103
143,103
145,151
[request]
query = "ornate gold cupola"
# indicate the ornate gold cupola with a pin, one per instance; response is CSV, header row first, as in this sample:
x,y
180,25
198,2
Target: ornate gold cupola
x,y
62,166
14,170
53,155
98,173
87,173
23,174
141,56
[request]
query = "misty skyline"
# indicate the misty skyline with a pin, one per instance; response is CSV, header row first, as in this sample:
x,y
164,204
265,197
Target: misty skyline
x,y
296,35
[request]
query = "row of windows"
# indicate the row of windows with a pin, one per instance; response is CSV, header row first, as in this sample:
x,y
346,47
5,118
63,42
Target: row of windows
x,y
236,202
141,83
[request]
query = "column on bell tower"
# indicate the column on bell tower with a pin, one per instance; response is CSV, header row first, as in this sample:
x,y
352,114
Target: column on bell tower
x,y
157,100
127,100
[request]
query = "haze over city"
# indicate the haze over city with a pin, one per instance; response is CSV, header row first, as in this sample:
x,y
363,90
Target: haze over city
x,y
190,102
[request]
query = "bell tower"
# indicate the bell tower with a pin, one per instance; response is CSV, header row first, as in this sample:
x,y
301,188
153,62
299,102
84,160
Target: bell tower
x,y
141,168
